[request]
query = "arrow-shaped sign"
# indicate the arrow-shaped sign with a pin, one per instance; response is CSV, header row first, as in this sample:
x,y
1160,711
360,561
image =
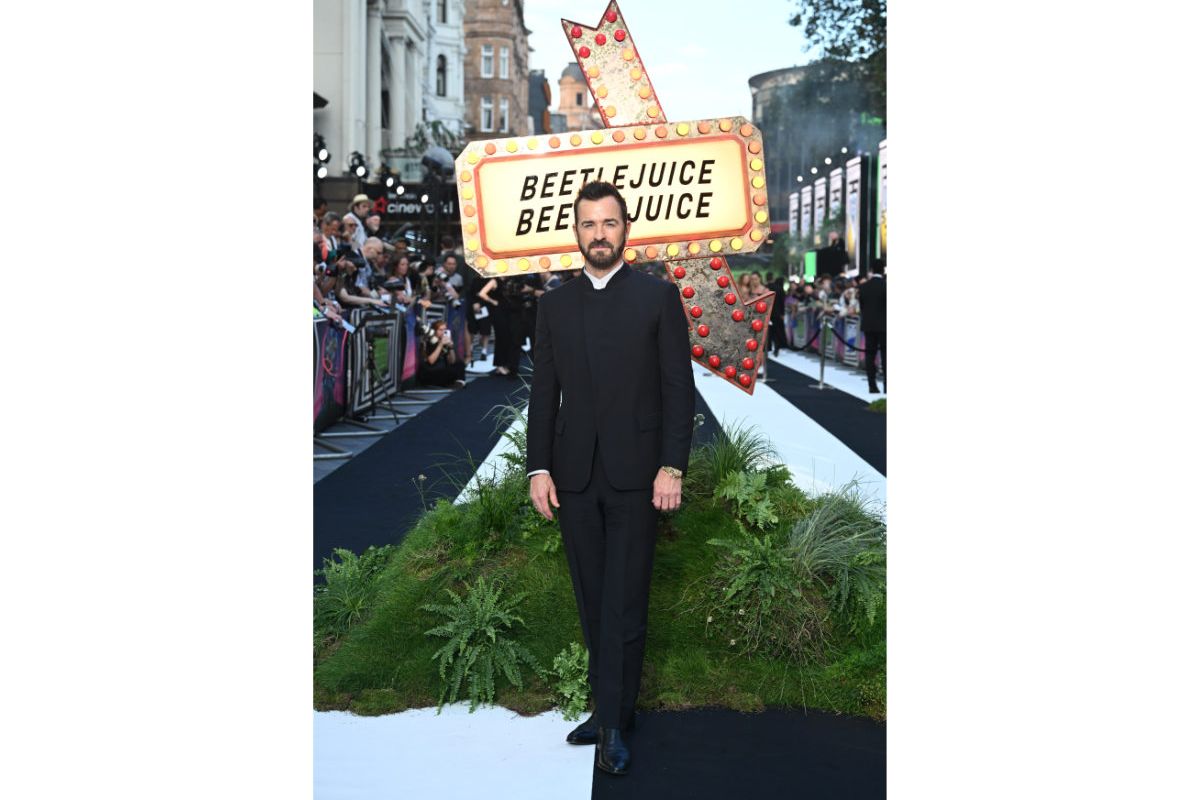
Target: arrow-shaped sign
x,y
730,342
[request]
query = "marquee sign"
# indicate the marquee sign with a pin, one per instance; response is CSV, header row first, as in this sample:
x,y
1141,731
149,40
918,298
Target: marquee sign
x,y
695,191
690,187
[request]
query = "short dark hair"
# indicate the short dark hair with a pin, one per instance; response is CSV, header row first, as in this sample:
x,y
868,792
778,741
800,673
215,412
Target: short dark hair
x,y
318,202
597,190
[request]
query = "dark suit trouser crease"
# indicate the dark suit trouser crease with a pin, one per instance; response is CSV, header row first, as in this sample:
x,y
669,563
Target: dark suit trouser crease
x,y
608,537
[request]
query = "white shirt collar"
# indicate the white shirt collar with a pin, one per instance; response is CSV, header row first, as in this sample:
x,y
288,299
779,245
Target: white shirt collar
x,y
600,283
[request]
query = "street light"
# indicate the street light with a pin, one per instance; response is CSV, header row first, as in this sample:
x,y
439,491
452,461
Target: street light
x,y
814,170
358,165
322,171
799,179
844,151
828,160
320,152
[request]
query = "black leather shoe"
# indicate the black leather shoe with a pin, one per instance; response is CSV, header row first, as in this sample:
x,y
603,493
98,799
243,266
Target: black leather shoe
x,y
585,733
612,755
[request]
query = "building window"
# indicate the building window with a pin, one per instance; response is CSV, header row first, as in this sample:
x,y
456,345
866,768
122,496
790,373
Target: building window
x,y
485,114
385,109
504,63
442,11
579,98
441,76
503,114
486,68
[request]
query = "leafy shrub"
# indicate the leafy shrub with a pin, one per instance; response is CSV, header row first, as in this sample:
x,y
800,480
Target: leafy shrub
x,y
734,449
571,688
842,545
478,648
751,500
756,599
879,406
351,584
535,526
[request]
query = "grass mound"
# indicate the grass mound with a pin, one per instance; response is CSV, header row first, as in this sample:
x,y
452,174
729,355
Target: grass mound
x,y
814,593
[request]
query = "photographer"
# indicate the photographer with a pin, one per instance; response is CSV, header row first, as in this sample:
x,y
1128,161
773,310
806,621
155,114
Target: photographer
x,y
348,291
439,364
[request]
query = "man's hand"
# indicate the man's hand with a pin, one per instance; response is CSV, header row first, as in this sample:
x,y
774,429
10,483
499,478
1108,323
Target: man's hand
x,y
543,493
668,492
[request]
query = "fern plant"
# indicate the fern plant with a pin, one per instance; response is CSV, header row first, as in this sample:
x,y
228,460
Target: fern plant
x,y
478,648
750,497
571,687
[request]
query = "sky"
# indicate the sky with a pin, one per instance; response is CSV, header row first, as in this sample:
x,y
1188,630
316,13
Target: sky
x,y
700,54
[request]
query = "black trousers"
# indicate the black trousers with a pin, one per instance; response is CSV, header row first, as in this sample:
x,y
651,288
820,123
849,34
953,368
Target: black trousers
x,y
608,536
510,333
876,343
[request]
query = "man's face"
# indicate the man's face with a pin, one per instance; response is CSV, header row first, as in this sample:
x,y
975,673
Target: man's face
x,y
371,252
361,209
373,223
330,228
450,265
348,228
601,232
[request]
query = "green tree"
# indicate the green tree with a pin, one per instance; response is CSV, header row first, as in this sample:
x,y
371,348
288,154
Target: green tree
x,y
854,30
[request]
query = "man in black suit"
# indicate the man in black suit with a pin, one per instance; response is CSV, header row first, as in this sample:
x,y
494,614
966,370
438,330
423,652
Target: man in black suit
x,y
614,346
872,303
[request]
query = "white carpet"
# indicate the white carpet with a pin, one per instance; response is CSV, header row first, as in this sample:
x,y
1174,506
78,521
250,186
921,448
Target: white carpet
x,y
493,753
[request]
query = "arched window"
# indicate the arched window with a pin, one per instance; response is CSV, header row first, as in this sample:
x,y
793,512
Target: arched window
x,y
441,76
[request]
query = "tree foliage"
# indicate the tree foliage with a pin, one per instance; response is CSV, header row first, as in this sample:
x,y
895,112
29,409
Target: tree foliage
x,y
855,30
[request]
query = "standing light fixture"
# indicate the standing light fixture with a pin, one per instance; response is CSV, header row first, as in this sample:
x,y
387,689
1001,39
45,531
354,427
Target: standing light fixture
x,y
358,165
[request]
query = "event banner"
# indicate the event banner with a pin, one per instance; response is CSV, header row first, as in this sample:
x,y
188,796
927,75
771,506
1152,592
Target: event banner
x,y
408,206
376,338
881,205
855,250
793,214
835,193
329,373
806,213
819,198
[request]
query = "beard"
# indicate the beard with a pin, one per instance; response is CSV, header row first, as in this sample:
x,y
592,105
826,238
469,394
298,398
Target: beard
x,y
597,258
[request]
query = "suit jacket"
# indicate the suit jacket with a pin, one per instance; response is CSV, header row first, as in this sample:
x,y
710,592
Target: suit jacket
x,y
872,302
619,360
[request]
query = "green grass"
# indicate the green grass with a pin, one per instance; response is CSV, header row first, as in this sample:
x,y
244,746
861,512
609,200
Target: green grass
x,y
879,406
385,662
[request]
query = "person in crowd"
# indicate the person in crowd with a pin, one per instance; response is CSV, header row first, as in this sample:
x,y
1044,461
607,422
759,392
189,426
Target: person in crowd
x,y
454,278
873,300
348,235
505,300
479,320
359,208
743,285
372,222
331,229
320,207
399,276
847,304
778,334
349,292
755,285
374,253
439,364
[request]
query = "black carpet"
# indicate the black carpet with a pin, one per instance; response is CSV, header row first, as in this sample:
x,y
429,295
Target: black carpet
x,y
843,415
373,498
723,754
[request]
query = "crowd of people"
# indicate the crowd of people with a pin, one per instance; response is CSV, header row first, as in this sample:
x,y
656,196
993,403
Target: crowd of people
x,y
354,266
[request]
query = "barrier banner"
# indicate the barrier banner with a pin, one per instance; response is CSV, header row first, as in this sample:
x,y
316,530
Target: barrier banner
x,y
835,193
881,205
855,250
409,343
329,373
833,347
819,197
850,355
806,215
377,336
456,321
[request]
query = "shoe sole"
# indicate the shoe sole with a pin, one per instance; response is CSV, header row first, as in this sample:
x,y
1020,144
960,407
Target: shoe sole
x,y
610,770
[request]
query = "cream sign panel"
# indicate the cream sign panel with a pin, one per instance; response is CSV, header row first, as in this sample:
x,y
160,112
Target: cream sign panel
x,y
690,187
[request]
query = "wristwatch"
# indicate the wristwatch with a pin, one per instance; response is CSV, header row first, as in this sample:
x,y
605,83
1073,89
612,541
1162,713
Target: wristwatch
x,y
672,471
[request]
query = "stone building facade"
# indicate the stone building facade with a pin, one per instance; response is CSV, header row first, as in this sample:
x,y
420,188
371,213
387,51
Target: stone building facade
x,y
575,100
496,69
377,63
